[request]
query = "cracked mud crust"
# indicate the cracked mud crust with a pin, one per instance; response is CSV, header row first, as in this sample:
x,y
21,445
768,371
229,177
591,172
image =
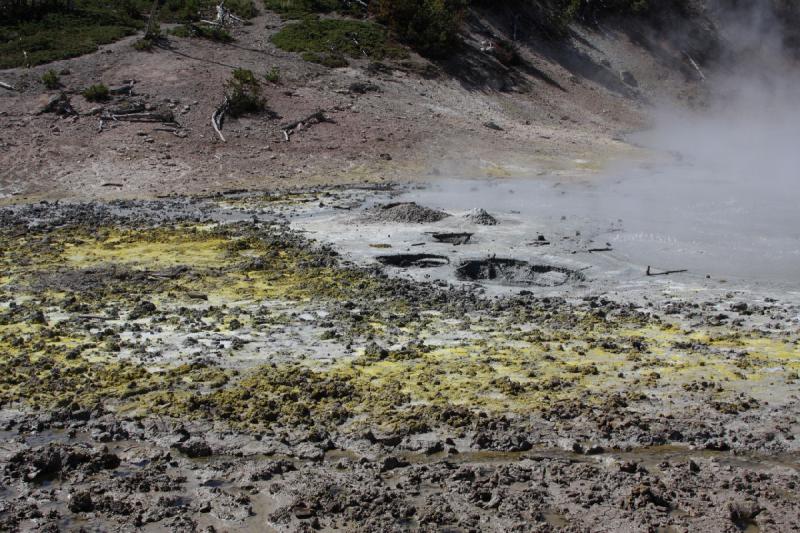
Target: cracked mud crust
x,y
198,363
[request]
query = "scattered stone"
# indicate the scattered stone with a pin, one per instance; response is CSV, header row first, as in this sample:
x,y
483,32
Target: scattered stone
x,y
194,448
481,218
81,502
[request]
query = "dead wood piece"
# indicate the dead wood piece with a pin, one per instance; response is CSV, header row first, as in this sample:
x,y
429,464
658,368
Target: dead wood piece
x,y
137,107
145,117
314,118
8,86
218,117
664,273
60,105
122,89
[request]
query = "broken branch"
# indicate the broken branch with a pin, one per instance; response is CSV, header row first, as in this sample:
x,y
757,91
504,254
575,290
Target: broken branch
x,y
665,273
5,85
218,117
314,118
695,65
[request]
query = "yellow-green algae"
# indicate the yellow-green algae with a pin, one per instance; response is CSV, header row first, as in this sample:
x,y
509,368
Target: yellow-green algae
x,y
519,360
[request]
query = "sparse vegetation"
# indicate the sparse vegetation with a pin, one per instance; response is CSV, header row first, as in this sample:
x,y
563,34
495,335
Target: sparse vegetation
x,y
212,33
429,26
243,91
96,93
51,79
301,8
37,32
329,41
273,75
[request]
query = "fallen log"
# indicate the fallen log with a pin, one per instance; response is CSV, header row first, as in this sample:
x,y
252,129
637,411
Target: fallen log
x,y
314,118
144,117
695,65
665,273
218,117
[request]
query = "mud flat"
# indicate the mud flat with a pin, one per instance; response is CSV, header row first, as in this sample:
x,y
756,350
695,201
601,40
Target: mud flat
x,y
244,361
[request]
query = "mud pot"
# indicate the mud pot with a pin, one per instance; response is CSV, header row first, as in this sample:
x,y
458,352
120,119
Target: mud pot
x,y
248,362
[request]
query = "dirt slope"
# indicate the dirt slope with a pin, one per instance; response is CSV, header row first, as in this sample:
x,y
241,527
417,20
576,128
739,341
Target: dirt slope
x,y
564,107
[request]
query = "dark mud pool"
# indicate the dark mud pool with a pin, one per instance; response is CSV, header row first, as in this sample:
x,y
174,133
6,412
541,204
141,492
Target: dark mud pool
x,y
318,361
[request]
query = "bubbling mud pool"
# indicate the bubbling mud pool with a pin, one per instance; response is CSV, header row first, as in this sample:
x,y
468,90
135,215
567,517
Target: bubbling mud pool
x,y
677,218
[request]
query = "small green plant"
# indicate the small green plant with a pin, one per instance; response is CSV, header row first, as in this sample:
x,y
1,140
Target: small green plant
x,y
96,93
51,79
328,41
326,60
273,75
143,45
212,33
243,92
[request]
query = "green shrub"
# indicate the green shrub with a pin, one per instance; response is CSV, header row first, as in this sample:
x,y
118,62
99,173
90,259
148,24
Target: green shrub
x,y
143,45
212,33
429,26
300,8
51,79
326,60
243,91
329,40
96,93
273,75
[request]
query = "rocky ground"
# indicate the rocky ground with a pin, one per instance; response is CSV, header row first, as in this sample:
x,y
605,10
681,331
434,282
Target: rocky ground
x,y
197,363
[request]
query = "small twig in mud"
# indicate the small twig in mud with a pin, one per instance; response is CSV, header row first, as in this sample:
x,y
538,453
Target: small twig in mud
x,y
665,273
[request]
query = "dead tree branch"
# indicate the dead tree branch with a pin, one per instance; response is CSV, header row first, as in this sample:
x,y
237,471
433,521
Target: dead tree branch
x,y
695,65
665,273
5,85
218,117
315,118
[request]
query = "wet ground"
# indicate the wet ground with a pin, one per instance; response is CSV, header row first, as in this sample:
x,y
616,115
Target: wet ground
x,y
246,361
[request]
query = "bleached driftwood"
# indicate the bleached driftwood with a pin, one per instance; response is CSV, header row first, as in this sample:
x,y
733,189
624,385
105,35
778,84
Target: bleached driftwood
x,y
649,272
314,118
695,65
224,17
218,117
7,86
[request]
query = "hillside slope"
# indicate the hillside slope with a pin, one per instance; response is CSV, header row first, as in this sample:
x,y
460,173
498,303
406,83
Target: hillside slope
x,y
558,105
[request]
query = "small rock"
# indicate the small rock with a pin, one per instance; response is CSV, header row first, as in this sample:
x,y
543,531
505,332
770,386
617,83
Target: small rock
x,y
492,126
194,448
390,463
81,502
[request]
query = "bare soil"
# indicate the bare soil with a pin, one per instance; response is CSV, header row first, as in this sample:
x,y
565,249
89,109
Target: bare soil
x,y
425,119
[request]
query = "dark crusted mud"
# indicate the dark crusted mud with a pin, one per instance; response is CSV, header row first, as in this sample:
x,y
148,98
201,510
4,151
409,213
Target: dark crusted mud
x,y
195,364
516,272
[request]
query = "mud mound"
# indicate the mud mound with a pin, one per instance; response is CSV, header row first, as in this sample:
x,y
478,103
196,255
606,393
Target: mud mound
x,y
405,212
516,272
413,260
481,217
